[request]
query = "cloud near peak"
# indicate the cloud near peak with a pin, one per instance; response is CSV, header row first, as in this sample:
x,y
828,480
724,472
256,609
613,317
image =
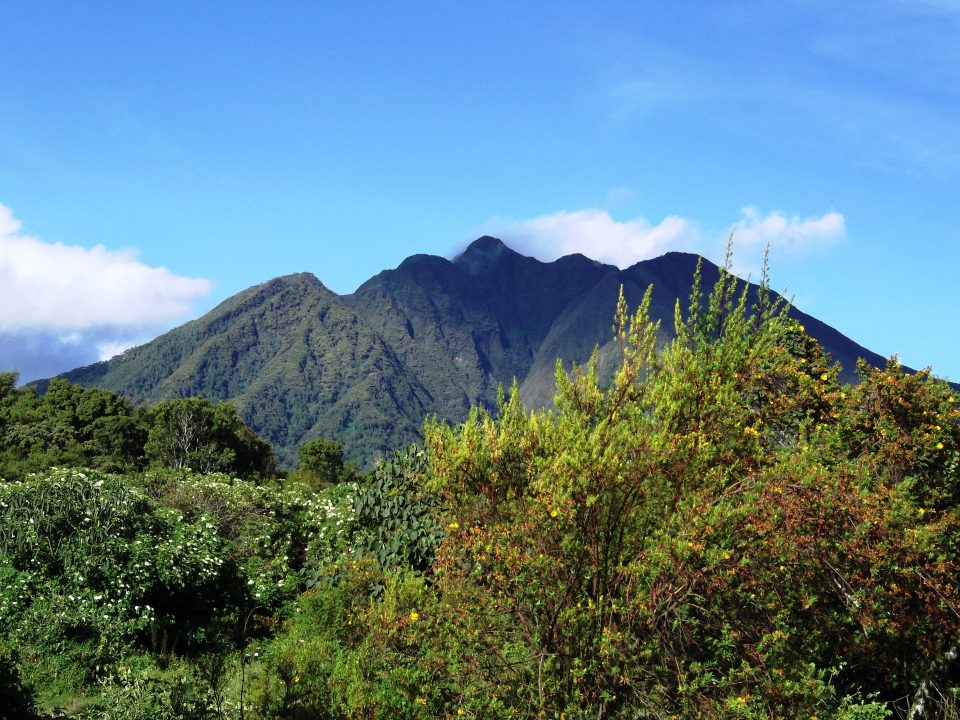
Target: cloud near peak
x,y
594,233
598,236
81,298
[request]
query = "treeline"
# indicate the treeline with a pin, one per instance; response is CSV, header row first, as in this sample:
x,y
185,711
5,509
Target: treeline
x,y
72,426
724,530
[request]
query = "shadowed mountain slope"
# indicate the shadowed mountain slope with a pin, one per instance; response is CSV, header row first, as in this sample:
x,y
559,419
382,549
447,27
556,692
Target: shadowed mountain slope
x,y
432,336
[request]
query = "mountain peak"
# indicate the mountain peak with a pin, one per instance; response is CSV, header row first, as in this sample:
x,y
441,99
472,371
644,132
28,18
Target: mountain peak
x,y
428,338
487,243
481,254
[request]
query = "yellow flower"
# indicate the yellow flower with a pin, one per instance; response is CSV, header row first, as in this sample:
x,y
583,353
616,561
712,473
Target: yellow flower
x,y
460,711
554,512
296,679
453,526
414,616
825,376
421,701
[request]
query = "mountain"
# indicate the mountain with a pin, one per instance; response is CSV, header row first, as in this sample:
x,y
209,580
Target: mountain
x,y
432,336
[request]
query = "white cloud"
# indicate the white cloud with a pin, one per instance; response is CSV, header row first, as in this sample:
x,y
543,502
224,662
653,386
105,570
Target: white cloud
x,y
80,303
57,286
598,236
792,233
108,349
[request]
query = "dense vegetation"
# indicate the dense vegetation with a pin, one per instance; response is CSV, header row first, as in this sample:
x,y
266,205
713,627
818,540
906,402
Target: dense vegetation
x,y
721,530
76,427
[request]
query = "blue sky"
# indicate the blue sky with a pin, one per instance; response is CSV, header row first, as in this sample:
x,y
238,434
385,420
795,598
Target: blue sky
x,y
157,158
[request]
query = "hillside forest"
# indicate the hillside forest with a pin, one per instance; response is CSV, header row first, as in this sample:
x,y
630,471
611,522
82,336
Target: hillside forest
x,y
723,529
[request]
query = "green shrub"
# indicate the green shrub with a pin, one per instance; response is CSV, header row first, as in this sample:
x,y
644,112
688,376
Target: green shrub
x,y
397,516
193,433
16,698
405,652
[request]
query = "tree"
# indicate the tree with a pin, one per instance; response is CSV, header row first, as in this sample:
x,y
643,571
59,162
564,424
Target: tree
x,y
67,426
196,434
321,461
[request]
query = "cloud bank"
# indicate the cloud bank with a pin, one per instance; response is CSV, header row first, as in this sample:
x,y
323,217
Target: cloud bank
x,y
597,235
62,305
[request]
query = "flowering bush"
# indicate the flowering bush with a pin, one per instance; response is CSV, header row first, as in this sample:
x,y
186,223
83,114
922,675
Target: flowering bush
x,y
94,570
724,531
271,532
94,567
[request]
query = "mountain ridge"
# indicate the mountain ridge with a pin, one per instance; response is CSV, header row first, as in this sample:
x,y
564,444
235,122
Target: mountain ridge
x,y
432,336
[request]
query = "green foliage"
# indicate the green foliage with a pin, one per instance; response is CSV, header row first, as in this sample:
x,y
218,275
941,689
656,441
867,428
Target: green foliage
x,y
270,532
903,427
396,516
322,464
94,570
193,433
68,425
410,653
97,569
183,690
16,699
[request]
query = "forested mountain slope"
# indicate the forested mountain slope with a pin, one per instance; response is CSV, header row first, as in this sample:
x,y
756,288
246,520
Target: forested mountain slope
x,y
432,336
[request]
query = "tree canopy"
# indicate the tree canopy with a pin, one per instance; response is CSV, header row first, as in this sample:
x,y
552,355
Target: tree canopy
x,y
193,433
72,426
